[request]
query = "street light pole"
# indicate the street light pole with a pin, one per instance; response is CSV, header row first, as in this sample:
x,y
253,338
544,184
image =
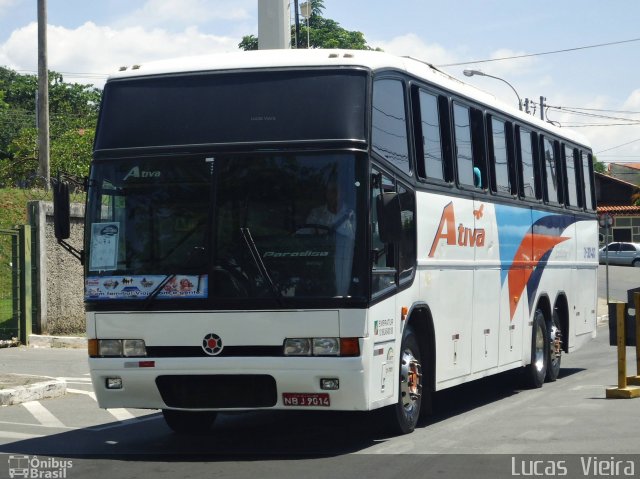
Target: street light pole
x,y
470,73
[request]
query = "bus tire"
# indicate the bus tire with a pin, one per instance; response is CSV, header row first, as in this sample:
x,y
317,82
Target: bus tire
x,y
555,349
189,422
403,416
537,370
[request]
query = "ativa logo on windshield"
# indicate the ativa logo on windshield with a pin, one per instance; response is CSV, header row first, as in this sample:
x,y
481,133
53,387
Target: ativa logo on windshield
x,y
136,173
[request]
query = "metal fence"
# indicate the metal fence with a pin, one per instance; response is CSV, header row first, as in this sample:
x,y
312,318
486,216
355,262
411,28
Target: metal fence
x,y
15,283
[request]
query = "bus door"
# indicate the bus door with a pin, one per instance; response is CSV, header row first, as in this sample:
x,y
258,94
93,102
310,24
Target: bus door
x,y
392,259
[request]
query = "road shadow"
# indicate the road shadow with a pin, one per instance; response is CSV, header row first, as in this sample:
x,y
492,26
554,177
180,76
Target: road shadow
x,y
262,435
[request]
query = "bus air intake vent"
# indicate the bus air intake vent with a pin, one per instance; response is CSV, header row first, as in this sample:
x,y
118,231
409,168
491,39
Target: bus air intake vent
x,y
218,391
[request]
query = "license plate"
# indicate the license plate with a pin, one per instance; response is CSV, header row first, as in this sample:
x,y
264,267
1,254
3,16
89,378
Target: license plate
x,y
306,399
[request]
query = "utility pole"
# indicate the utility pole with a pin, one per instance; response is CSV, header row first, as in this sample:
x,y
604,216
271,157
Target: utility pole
x,y
542,100
297,17
43,96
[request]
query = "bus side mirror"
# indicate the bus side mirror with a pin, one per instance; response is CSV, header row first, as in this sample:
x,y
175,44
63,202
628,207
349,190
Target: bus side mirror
x,y
61,210
389,217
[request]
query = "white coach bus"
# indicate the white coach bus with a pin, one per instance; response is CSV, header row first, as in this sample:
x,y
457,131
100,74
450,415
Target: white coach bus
x,y
326,230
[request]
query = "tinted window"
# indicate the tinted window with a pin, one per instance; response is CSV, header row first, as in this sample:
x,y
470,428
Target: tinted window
x,y
586,177
626,247
550,170
464,151
431,142
383,263
389,123
526,165
500,158
232,107
408,243
570,164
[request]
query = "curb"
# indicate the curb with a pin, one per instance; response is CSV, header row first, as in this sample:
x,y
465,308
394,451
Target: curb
x,y
51,388
41,341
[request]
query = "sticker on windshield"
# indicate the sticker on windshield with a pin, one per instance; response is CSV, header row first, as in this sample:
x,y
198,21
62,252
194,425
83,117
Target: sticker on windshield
x,y
104,246
141,287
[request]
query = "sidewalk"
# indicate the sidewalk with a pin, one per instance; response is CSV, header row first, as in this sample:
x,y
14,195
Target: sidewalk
x,y
18,388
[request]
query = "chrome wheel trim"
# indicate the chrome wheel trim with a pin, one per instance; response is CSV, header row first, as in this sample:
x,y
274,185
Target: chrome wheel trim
x,y
410,380
539,349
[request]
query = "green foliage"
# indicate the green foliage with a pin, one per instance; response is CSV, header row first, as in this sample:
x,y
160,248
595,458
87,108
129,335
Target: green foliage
x,y
598,166
322,32
249,42
73,113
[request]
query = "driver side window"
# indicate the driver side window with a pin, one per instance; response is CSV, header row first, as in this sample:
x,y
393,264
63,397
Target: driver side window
x,y
383,261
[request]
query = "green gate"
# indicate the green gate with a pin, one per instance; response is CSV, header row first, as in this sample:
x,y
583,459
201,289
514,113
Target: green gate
x,y
15,283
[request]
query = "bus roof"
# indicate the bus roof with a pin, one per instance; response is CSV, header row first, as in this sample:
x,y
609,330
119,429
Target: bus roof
x,y
302,58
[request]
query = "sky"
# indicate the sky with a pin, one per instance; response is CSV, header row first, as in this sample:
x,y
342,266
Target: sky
x,y
88,39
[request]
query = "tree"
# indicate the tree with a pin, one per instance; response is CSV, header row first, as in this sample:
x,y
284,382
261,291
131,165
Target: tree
x,y
598,166
323,33
73,116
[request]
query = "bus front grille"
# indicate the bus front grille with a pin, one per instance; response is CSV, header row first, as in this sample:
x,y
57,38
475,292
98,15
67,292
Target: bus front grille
x,y
217,391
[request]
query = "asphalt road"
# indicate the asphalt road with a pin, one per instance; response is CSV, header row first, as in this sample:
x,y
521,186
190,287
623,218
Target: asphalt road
x,y
621,279
490,428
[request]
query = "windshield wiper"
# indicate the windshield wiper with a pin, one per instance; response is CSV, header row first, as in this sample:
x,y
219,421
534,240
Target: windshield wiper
x,y
257,259
150,299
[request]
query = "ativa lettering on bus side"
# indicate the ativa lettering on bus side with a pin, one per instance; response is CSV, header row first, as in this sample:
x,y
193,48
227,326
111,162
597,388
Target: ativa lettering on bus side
x,y
460,236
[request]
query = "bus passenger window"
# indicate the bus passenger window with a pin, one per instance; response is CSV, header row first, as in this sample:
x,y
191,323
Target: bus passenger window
x,y
572,175
587,181
527,179
431,139
389,123
499,157
550,171
464,151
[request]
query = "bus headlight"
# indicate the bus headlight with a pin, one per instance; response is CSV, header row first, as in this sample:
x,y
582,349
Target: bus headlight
x,y
110,347
117,348
326,347
322,347
297,347
133,347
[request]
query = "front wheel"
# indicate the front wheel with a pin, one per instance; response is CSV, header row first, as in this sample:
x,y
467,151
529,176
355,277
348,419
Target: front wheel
x,y
537,370
189,422
403,416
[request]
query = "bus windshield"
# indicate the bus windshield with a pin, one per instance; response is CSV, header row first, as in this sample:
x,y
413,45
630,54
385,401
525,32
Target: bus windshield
x,y
242,226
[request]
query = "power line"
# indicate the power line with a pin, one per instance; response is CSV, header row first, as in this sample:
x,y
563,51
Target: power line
x,y
619,146
514,57
594,109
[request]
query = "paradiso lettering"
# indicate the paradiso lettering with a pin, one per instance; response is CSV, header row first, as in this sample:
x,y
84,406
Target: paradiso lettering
x,y
460,235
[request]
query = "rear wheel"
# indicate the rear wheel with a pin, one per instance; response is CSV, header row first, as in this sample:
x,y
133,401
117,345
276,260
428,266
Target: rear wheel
x,y
537,370
403,416
636,263
555,349
189,422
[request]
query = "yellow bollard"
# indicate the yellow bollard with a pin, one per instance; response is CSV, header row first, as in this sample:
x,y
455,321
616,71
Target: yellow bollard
x,y
623,391
635,380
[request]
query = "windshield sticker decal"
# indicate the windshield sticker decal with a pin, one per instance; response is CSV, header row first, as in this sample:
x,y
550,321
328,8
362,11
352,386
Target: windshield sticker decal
x,y
141,287
104,246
